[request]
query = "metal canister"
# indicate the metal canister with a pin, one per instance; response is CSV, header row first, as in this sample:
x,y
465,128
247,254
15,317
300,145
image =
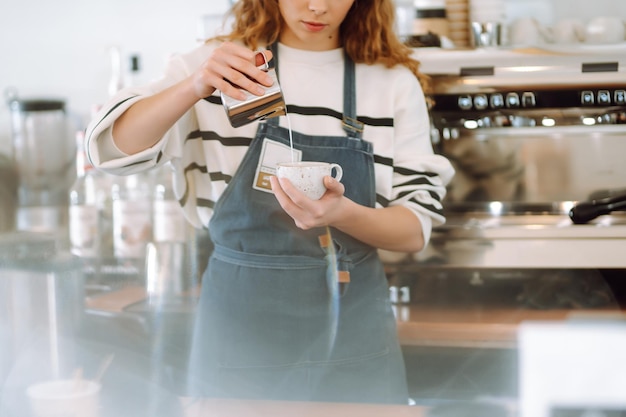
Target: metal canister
x,y
42,299
253,107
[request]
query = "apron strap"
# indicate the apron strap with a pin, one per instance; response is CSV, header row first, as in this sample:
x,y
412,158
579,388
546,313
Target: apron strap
x,y
350,124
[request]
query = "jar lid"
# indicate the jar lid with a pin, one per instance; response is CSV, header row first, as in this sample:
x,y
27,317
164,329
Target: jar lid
x,y
20,245
26,245
36,105
35,251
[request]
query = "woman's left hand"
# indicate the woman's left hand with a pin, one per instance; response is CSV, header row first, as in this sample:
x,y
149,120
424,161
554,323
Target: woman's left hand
x,y
308,213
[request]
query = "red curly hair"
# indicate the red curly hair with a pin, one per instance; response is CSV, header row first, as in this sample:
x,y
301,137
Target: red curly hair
x,y
259,22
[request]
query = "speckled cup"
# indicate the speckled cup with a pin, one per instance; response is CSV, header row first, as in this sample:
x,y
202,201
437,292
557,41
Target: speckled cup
x,y
308,176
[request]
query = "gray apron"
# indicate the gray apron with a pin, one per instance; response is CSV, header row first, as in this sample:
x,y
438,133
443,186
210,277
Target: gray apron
x,y
266,328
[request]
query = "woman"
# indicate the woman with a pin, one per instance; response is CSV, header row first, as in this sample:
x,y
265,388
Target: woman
x,y
270,324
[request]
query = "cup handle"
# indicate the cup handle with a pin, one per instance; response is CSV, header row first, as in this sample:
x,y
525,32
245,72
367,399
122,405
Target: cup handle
x,y
338,171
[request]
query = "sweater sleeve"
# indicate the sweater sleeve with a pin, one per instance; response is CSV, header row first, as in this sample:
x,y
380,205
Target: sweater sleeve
x,y
101,149
420,176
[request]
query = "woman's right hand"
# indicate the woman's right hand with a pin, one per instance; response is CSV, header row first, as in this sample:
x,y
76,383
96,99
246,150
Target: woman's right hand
x,y
231,65
145,122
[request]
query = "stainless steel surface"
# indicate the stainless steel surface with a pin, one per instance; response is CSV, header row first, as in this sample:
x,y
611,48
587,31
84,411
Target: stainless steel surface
x,y
166,270
545,65
480,240
41,299
270,104
533,169
533,226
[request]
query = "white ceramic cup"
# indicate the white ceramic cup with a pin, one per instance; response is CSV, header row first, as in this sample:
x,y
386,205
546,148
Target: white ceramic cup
x,y
528,31
605,29
308,176
567,31
65,398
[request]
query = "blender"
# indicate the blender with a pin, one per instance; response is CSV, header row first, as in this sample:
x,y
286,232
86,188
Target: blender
x,y
44,155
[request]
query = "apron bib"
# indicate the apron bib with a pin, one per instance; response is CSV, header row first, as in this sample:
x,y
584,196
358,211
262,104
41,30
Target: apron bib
x,y
266,327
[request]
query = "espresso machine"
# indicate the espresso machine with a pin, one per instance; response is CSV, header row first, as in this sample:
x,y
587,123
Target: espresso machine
x,y
534,135
537,138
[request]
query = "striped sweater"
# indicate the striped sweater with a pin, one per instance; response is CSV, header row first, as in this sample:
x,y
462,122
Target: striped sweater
x,y
205,150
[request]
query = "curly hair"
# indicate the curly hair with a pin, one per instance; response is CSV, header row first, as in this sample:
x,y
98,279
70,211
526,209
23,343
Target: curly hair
x,y
367,33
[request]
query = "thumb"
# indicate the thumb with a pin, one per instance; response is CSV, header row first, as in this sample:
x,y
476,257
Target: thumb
x,y
333,185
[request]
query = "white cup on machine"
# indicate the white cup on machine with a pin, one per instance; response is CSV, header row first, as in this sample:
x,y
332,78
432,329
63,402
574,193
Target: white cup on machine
x,y
528,31
568,31
605,30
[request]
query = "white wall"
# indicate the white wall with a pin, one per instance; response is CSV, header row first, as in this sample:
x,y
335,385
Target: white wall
x,y
550,11
588,9
61,48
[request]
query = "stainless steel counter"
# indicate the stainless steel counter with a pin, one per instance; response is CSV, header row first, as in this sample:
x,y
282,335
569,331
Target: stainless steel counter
x,y
527,241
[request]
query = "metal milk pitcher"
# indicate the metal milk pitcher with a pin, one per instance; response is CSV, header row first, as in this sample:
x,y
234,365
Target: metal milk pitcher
x,y
270,104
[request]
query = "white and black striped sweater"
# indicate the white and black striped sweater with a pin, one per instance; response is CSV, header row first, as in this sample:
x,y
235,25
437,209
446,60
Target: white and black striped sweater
x,y
206,151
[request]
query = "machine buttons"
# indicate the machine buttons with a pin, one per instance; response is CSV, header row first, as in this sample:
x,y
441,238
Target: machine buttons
x,y
587,98
481,102
465,102
528,99
496,101
604,97
512,100
484,101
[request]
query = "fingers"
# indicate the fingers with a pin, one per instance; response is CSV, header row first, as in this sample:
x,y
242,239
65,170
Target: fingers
x,y
305,212
234,70
292,200
287,195
333,186
242,69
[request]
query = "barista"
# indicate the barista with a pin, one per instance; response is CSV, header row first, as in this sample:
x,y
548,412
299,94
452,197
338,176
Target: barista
x,y
269,325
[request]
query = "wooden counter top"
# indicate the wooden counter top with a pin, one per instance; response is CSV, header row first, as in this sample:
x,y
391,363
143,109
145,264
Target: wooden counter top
x,y
477,327
116,301
418,325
